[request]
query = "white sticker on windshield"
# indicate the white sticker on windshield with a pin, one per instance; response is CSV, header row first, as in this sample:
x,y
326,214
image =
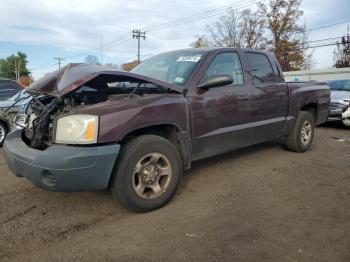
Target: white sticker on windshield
x,y
189,58
178,80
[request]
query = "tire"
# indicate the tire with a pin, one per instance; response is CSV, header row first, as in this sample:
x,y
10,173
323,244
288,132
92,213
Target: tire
x,y
3,133
296,141
142,169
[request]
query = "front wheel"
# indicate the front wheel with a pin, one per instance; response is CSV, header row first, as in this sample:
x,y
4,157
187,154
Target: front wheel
x,y
302,134
147,174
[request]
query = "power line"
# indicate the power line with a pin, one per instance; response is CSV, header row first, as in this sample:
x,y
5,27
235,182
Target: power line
x,y
180,21
323,45
201,16
326,39
329,25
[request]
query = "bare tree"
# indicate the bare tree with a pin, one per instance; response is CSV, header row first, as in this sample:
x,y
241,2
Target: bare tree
x,y
201,42
253,26
342,53
235,29
226,32
91,59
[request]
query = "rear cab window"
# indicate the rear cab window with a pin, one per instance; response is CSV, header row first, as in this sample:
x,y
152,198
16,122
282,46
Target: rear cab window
x,y
260,68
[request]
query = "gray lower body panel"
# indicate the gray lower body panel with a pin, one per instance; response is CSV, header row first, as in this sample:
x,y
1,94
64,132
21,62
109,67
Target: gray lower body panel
x,y
60,167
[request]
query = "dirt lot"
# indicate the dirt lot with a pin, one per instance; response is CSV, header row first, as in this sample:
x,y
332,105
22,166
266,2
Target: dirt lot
x,y
257,204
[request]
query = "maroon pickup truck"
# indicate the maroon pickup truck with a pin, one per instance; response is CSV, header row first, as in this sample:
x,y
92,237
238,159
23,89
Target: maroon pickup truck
x,y
91,127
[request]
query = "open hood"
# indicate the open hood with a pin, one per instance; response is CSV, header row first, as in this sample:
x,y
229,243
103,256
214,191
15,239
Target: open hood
x,y
72,76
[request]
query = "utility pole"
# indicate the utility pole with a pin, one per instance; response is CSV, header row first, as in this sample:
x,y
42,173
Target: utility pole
x,y
138,35
17,69
59,59
101,54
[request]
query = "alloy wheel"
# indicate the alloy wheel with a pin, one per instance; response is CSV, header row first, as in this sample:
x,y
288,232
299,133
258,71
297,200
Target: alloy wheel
x,y
151,176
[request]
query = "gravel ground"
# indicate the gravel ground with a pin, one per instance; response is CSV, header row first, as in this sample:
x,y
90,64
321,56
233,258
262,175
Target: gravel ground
x,y
257,204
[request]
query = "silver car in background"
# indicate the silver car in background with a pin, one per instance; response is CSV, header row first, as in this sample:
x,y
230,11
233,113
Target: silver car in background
x,y
340,101
11,108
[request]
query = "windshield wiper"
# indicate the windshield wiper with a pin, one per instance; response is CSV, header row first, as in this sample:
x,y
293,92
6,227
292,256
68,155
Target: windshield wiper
x,y
134,90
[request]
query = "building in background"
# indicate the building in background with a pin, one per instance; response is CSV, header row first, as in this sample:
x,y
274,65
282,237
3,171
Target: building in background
x,y
318,75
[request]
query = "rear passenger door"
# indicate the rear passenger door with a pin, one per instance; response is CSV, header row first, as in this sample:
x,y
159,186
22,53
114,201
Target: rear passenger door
x,y
269,97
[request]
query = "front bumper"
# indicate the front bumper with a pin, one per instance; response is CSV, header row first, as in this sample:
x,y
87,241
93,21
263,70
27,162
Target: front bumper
x,y
339,112
60,167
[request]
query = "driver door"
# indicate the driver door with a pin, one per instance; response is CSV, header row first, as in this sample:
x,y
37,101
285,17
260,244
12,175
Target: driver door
x,y
219,115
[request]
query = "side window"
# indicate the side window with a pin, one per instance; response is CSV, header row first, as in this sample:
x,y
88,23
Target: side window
x,y
261,69
226,64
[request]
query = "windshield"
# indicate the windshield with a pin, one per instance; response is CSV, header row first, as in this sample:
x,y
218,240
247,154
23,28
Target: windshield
x,y
339,85
173,67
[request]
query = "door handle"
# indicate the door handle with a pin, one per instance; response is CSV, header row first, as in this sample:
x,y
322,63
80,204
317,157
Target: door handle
x,y
243,98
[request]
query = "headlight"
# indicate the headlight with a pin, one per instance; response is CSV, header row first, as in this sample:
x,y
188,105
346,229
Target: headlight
x,y
77,129
21,121
345,102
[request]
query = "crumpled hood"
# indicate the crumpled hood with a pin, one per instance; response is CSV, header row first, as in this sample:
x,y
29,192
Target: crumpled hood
x,y
338,95
72,76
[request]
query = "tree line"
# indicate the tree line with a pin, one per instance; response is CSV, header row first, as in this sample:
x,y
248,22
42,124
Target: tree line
x,y
274,27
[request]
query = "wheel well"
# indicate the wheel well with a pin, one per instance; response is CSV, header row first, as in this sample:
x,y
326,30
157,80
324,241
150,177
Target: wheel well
x,y
167,131
312,108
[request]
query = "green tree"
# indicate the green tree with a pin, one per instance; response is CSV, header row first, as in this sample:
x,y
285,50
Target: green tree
x,y
14,66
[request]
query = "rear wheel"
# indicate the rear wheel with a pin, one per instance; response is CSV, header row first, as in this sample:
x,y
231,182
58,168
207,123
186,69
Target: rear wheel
x,y
3,133
302,134
147,174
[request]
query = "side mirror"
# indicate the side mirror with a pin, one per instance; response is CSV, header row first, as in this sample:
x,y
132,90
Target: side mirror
x,y
216,81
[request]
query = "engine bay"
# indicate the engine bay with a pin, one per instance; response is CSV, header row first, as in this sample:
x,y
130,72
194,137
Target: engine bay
x,y
44,111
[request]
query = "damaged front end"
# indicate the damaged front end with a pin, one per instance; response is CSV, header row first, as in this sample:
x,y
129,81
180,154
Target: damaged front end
x,y
346,117
340,111
57,95
38,132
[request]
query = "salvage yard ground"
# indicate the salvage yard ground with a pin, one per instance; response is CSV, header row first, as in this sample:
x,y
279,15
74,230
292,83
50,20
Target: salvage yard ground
x,y
257,204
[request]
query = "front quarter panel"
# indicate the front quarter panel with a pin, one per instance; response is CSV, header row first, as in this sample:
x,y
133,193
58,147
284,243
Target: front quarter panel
x,y
126,117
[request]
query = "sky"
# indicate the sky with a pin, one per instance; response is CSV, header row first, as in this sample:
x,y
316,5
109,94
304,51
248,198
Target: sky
x,y
72,29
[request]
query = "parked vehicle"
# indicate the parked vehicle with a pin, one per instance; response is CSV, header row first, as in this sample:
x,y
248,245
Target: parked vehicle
x,y
8,88
10,110
136,132
340,101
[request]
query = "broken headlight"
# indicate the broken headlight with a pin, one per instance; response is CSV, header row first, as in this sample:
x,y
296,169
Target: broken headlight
x,y
21,121
77,129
